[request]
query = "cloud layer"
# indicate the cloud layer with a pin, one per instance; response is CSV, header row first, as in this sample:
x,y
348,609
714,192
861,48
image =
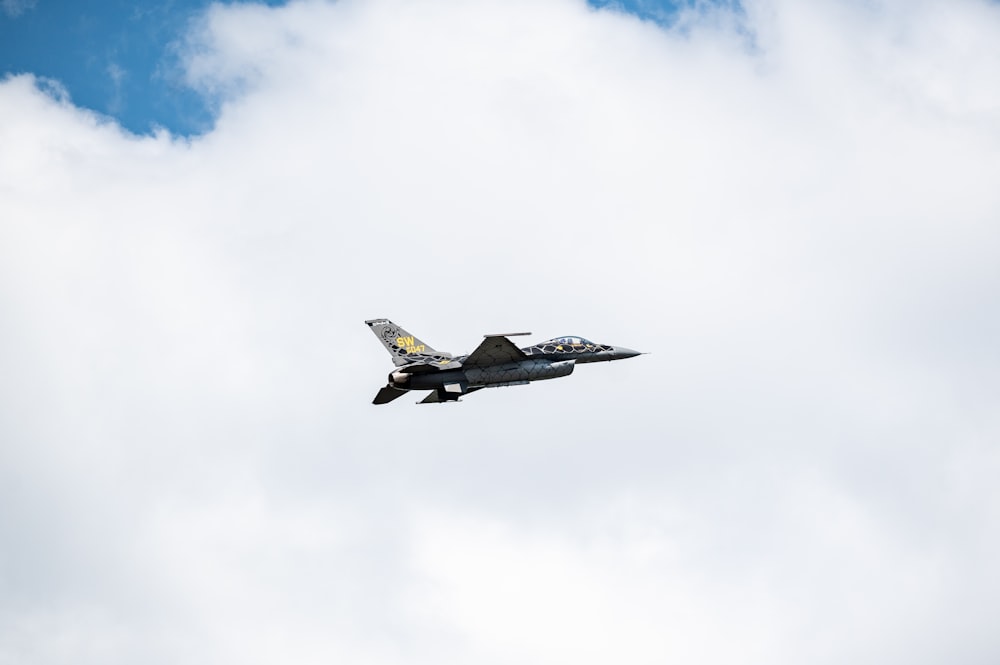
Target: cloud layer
x,y
14,8
794,208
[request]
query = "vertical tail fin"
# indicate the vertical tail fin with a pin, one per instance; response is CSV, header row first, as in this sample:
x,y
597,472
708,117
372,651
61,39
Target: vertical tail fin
x,y
397,341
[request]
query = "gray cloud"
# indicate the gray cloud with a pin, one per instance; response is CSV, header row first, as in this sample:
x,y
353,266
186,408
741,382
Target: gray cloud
x,y
800,227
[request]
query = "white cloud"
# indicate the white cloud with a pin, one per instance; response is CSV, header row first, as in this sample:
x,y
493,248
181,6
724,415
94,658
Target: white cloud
x,y
794,209
14,8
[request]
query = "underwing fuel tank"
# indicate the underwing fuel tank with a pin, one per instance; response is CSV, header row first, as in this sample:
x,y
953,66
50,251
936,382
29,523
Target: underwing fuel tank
x,y
526,370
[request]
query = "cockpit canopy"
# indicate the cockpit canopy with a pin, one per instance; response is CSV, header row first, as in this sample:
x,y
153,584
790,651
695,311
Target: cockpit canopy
x,y
572,341
566,346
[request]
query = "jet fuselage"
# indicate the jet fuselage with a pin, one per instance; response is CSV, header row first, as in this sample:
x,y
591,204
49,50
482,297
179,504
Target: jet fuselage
x,y
496,362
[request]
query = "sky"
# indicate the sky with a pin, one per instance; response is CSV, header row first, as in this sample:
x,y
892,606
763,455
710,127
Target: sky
x,y
791,206
124,59
116,57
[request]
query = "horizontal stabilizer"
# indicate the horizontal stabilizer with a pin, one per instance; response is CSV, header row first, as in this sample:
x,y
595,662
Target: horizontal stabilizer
x,y
387,394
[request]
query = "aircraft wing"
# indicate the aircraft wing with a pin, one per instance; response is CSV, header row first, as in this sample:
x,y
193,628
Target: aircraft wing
x,y
494,350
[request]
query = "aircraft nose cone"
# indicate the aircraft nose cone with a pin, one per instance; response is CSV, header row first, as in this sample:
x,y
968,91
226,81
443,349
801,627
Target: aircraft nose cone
x,y
621,352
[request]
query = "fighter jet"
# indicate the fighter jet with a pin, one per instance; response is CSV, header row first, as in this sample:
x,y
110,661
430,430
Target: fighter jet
x,y
496,362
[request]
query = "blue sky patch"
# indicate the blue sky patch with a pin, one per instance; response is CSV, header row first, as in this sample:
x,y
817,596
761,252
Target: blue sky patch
x,y
664,12
112,56
116,56
660,11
